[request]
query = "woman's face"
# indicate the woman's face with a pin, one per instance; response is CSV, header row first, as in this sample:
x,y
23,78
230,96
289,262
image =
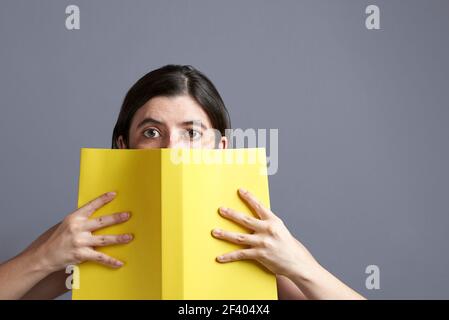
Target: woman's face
x,y
171,122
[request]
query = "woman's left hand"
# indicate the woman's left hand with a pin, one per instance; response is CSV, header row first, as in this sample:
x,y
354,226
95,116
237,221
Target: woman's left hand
x,y
271,244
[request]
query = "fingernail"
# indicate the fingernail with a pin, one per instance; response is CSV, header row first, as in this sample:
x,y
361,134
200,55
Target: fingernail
x,y
119,264
220,258
124,215
127,237
243,191
112,194
223,209
216,232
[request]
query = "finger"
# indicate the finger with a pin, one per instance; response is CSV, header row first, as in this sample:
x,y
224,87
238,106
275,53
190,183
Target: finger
x,y
244,220
89,208
106,221
262,212
107,240
102,258
244,254
237,238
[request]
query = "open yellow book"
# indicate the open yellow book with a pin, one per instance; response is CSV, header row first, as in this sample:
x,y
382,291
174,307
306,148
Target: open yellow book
x,y
173,196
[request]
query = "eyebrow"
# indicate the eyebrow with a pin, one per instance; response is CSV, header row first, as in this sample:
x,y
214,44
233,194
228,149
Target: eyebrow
x,y
148,121
154,121
192,122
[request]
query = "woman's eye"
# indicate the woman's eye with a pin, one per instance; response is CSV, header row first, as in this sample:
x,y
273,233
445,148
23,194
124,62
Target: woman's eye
x,y
194,134
151,133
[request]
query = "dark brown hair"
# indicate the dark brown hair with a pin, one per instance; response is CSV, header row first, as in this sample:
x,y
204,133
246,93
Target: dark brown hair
x,y
172,80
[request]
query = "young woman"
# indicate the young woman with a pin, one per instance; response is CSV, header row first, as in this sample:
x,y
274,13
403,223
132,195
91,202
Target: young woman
x,y
171,107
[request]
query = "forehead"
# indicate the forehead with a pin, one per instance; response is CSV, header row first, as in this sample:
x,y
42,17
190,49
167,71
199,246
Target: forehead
x,y
172,110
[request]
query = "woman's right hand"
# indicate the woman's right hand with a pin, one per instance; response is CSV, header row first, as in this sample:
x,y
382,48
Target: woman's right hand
x,y
72,242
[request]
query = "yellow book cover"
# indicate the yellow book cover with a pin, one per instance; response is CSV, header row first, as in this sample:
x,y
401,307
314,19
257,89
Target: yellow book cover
x,y
173,196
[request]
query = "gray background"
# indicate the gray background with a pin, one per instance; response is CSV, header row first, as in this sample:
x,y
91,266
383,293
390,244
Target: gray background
x,y
362,115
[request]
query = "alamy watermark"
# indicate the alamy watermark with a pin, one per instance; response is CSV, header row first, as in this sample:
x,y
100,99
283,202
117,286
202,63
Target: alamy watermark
x,y
252,140
72,21
372,282
372,21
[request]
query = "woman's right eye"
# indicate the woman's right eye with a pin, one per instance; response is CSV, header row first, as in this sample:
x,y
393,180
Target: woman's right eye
x,y
151,133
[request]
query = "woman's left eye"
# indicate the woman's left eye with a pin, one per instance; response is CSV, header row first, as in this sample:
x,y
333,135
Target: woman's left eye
x,y
194,134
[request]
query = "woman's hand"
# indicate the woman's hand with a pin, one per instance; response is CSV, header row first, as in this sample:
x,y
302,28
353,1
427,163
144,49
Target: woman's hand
x,y
39,271
272,245
72,241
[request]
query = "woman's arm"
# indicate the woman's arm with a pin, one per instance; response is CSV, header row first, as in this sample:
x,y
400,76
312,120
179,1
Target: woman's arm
x,y
53,285
39,271
24,271
318,283
21,273
49,288
288,290
272,245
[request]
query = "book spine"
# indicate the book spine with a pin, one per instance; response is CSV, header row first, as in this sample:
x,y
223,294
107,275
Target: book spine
x,y
172,228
